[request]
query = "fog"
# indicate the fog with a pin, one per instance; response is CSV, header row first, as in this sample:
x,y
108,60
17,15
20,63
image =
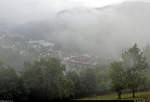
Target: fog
x,y
28,10
103,28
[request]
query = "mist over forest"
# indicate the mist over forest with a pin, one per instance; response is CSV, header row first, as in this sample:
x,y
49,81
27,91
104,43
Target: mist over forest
x,y
36,29
101,31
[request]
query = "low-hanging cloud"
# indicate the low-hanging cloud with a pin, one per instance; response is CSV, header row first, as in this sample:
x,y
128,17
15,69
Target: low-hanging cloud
x,y
101,31
28,10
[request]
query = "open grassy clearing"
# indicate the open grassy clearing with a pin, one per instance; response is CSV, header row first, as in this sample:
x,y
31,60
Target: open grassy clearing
x,y
127,96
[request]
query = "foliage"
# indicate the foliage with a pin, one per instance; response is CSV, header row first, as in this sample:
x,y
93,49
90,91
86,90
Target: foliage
x,y
134,65
10,84
45,80
85,82
88,79
103,79
118,77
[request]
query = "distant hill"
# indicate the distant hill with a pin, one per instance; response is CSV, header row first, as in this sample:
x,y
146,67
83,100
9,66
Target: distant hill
x,y
15,50
102,32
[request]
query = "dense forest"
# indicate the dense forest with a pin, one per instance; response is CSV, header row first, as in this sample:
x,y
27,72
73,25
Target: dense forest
x,y
46,78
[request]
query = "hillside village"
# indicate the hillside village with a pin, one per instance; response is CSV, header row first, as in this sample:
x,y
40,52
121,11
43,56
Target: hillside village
x,y
18,47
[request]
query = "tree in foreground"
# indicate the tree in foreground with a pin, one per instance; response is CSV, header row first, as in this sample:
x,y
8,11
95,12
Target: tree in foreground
x,y
85,82
117,77
89,81
134,64
77,86
10,84
45,80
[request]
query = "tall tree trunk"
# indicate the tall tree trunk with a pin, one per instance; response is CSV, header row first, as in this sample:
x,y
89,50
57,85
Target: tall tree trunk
x,y
119,95
133,93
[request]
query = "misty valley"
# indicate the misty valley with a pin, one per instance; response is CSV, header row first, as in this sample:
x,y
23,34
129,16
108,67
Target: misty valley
x,y
74,50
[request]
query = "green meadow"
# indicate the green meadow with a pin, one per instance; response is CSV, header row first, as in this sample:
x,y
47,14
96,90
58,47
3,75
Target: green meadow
x,y
126,96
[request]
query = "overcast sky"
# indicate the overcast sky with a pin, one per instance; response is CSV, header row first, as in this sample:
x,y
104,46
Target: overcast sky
x,y
18,10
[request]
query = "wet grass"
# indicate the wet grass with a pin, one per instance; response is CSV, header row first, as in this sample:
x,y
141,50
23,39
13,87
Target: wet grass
x,y
126,96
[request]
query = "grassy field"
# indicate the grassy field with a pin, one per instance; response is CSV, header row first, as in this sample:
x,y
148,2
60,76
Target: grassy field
x,y
127,96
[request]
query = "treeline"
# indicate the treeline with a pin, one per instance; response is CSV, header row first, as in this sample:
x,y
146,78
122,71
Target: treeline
x,y
46,79
129,72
